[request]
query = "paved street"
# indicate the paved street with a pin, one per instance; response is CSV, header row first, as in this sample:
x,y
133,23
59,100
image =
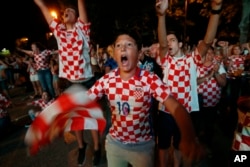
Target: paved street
x,y
13,152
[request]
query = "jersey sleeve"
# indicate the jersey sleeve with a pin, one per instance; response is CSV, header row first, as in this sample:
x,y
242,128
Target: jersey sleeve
x,y
159,90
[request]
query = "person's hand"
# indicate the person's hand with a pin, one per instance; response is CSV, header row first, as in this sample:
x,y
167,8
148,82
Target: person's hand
x,y
193,151
216,4
245,45
216,68
161,7
145,51
223,43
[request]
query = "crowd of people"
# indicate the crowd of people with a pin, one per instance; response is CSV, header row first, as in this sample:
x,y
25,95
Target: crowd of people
x,y
158,96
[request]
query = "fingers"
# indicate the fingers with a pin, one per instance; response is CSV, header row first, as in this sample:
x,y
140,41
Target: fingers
x,y
193,153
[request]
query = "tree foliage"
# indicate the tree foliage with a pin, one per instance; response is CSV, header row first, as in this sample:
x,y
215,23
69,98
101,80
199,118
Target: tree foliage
x,y
108,15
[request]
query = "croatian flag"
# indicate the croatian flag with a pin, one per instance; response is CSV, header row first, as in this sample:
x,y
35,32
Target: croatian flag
x,y
71,111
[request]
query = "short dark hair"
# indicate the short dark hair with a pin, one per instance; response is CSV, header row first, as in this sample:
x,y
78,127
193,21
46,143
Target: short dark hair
x,y
130,32
39,45
71,7
177,34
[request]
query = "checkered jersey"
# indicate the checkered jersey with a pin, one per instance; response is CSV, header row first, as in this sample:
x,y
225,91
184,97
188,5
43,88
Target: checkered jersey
x,y
41,103
241,141
42,60
74,49
73,110
180,75
4,103
235,63
210,90
130,102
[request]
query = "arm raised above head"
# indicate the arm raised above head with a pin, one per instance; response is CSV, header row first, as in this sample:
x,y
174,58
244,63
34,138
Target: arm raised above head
x,y
82,11
45,10
213,23
161,7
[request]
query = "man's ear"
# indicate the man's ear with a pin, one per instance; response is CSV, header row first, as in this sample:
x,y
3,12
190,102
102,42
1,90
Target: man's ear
x,y
180,44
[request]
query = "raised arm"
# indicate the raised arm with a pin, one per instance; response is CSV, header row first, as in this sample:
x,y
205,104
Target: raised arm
x,y
161,7
45,10
27,52
82,11
212,27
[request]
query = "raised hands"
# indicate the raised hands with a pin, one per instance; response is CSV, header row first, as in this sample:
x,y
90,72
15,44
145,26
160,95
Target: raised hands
x,y
161,6
216,4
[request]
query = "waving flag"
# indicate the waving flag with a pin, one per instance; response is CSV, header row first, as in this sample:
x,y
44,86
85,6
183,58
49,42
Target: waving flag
x,y
71,111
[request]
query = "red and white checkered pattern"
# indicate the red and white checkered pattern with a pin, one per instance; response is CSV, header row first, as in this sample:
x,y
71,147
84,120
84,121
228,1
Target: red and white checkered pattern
x,y
241,140
210,90
178,76
42,59
235,63
41,103
130,102
71,111
74,49
4,103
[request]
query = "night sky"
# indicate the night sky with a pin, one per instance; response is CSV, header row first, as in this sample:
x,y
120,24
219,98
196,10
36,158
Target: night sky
x,y
22,18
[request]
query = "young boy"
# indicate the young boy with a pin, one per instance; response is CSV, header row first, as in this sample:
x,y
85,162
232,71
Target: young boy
x,y
129,90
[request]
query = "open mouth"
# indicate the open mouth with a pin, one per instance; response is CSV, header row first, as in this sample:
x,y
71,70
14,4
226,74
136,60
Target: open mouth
x,y
66,15
124,60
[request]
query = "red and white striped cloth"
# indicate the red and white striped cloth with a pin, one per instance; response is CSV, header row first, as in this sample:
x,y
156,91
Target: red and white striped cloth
x,y
72,111
241,141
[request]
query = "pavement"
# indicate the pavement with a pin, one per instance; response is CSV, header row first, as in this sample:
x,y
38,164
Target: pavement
x,y
63,151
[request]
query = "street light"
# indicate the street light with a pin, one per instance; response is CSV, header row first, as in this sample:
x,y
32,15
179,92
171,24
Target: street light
x,y
53,14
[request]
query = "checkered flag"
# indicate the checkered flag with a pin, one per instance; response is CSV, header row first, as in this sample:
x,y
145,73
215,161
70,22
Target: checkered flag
x,y
71,111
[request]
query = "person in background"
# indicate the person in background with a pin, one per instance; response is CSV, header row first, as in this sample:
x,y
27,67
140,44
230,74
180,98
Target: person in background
x,y
41,56
241,138
42,103
5,120
235,67
9,71
3,79
54,67
94,63
31,69
211,79
73,39
149,63
109,63
180,73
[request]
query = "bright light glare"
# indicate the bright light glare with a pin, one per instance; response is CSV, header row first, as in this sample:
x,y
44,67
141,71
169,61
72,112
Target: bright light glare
x,y
53,14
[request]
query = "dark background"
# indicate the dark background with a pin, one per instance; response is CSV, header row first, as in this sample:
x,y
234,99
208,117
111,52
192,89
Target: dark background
x,y
22,18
